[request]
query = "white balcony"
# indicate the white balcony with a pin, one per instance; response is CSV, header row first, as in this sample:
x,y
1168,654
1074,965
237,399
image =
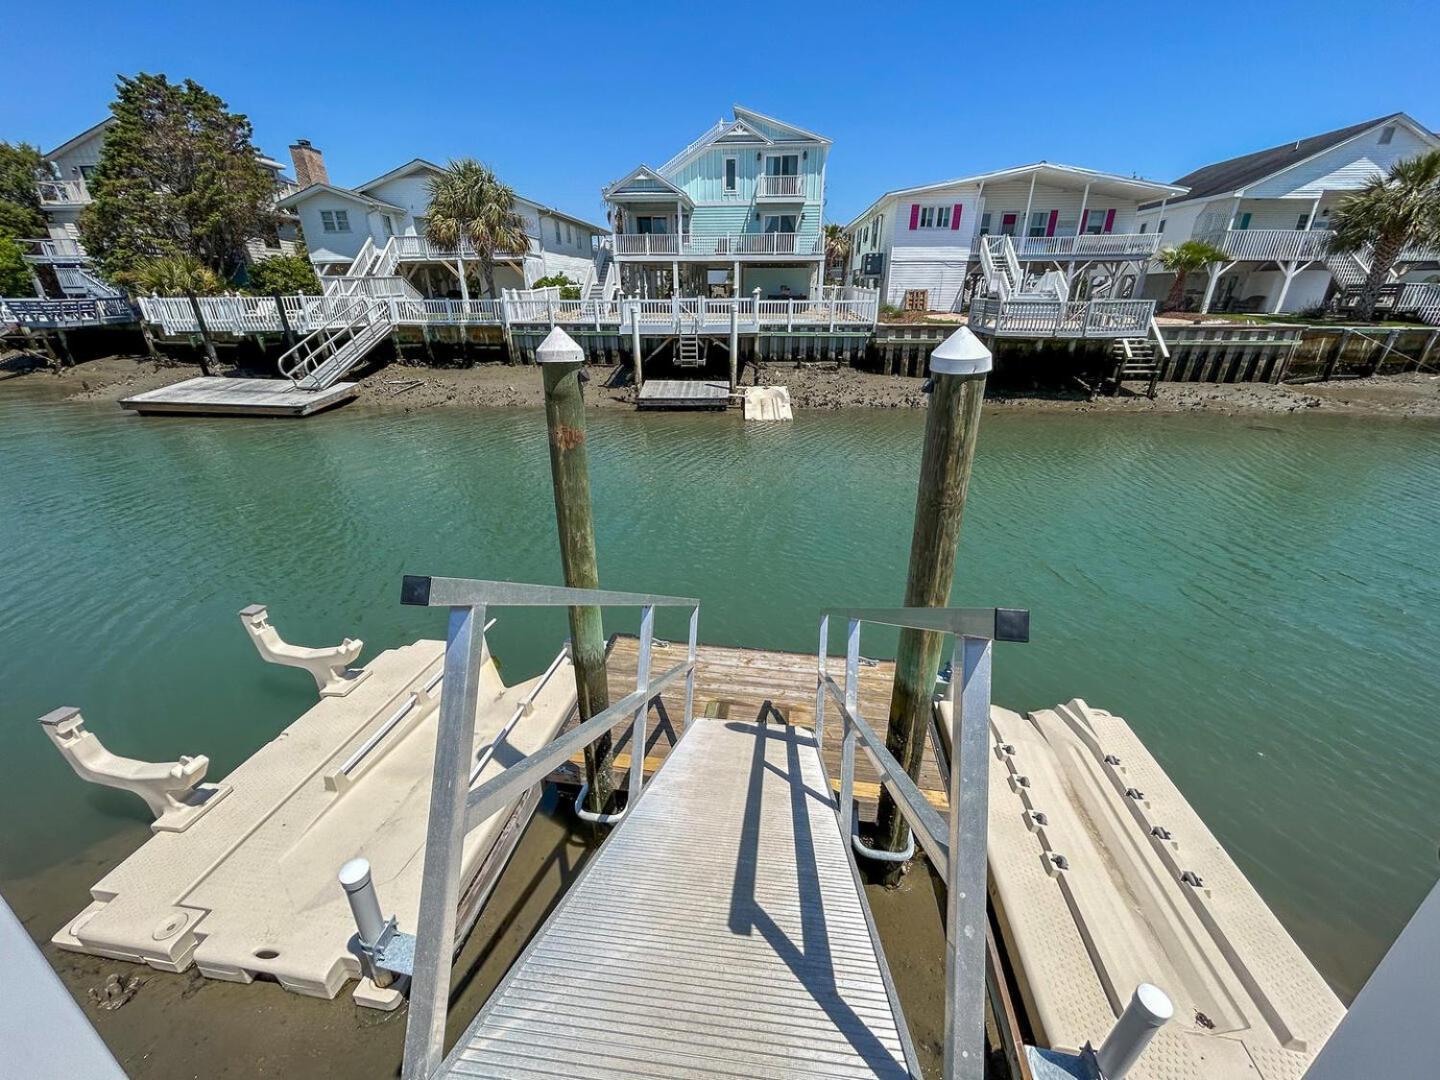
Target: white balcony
x,y
781,188
63,192
419,249
1089,246
56,250
1266,245
732,246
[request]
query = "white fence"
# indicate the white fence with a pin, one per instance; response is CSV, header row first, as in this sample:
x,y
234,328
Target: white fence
x,y
1062,318
835,306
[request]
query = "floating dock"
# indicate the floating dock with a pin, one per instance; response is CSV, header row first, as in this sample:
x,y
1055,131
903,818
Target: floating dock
x,y
248,888
684,394
214,396
1102,876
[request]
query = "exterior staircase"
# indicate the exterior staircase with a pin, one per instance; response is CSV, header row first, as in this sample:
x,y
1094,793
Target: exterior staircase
x,y
1139,359
603,285
78,283
1001,265
1347,268
357,325
688,353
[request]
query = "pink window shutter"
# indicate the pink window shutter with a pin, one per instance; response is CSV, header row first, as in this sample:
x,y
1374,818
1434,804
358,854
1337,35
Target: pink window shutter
x,y
914,216
1109,220
1084,220
1050,225
955,217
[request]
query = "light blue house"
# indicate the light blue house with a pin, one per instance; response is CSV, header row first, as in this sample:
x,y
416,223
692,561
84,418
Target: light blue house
x,y
739,209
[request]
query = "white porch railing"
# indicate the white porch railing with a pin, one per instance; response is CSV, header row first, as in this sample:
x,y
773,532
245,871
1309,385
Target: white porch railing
x,y
780,187
62,192
420,249
1263,245
733,245
1068,319
57,249
1089,246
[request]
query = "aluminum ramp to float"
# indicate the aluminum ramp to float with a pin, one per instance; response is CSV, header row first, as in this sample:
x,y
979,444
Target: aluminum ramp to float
x,y
721,931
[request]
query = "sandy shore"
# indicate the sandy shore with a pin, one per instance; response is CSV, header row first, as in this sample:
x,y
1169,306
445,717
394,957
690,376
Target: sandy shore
x,y
408,388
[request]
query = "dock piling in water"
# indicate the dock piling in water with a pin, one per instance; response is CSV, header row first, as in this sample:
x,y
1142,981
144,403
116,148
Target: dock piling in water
x,y
958,367
561,363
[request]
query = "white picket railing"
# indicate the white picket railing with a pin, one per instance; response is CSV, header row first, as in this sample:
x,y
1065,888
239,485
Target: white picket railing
x,y
58,249
363,258
62,192
420,249
1262,245
1062,318
1089,245
729,245
772,187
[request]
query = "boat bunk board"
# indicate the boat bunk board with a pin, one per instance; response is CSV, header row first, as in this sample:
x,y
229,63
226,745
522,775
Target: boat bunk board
x,y
1102,877
249,888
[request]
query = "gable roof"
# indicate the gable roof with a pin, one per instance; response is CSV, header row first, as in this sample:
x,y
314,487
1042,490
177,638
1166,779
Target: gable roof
x,y
644,172
75,140
1101,182
747,122
1240,172
413,165
295,198
742,113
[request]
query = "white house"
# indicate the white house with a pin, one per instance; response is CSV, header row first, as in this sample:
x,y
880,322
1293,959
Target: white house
x,y
1270,212
381,223
739,209
920,245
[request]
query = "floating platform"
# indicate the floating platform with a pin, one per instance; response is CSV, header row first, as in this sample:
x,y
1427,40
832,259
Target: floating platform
x,y
1102,876
212,396
749,685
249,888
683,394
721,931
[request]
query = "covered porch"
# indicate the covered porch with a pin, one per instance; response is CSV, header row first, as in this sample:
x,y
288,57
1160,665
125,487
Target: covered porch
x,y
714,279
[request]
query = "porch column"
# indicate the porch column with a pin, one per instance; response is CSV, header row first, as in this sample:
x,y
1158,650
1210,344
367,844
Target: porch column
x,y
735,280
1025,223
464,286
1215,270
1290,271
1084,205
1314,210
675,277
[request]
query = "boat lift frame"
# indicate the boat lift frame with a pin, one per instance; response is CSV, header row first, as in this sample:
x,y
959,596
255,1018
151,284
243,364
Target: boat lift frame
x,y
455,809
957,846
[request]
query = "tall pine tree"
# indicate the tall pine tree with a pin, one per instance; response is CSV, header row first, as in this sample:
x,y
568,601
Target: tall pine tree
x,y
178,176
20,216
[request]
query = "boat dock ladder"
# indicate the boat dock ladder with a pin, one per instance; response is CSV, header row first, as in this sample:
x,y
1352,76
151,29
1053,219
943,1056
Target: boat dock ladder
x,y
722,928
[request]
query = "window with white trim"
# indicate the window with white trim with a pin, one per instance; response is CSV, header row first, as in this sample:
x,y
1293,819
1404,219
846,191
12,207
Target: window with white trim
x,y
732,175
985,224
942,217
335,221
875,231
927,217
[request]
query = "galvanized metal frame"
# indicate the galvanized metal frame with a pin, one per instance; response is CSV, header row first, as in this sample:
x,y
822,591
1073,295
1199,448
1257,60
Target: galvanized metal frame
x,y
956,846
455,809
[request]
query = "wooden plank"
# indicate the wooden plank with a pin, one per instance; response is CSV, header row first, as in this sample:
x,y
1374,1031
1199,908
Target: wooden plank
x,y
239,397
749,684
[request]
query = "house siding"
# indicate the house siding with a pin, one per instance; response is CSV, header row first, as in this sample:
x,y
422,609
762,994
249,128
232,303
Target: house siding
x,y
1344,167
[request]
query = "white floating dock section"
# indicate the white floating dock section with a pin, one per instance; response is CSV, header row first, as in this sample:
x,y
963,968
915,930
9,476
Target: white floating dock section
x,y
768,403
1103,877
239,397
720,931
250,887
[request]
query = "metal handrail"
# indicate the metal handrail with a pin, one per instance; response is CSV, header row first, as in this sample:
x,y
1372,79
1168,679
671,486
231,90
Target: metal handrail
x,y
455,809
956,846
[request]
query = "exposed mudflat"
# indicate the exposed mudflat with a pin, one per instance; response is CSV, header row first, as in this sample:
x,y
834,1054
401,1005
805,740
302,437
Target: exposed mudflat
x,y
408,388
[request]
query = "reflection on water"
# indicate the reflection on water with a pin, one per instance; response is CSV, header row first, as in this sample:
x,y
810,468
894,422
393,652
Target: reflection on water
x,y
1257,599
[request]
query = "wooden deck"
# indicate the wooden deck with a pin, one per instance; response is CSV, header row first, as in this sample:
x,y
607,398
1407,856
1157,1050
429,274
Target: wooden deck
x,y
748,684
239,397
684,394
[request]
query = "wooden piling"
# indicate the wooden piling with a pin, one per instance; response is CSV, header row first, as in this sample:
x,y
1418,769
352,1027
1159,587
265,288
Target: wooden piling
x,y
959,371
561,362
284,322
210,361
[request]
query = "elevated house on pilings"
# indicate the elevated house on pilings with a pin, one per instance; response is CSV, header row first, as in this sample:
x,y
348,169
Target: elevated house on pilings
x,y
738,210
376,231
1270,212
921,246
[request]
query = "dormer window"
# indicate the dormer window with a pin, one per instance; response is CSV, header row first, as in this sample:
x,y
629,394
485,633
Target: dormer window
x,y
1386,134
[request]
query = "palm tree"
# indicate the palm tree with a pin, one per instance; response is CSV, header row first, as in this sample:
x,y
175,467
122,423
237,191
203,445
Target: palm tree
x,y
837,246
470,204
1387,215
174,275
1181,261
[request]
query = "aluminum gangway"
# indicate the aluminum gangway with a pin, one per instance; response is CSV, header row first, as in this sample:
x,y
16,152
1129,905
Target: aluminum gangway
x,y
722,929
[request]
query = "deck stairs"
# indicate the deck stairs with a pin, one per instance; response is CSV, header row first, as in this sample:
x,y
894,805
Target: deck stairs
x,y
1139,359
1347,268
1001,266
688,352
78,283
603,285
319,361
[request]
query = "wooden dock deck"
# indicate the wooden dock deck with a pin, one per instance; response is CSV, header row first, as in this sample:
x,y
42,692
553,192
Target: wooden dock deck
x,y
750,684
239,397
721,931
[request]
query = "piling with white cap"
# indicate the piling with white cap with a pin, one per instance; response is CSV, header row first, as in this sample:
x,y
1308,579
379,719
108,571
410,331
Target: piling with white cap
x,y
958,367
364,904
1149,1010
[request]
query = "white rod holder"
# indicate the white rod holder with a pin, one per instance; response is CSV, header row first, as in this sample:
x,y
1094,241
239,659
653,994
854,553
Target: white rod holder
x,y
1149,1010
364,904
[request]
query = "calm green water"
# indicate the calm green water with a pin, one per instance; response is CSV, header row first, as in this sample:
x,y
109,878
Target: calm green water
x,y
1258,598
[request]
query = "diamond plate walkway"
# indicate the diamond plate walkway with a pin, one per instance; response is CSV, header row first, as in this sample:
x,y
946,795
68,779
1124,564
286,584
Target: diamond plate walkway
x,y
720,931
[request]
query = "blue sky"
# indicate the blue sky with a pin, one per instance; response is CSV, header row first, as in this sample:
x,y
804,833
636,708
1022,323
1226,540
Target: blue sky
x,y
561,98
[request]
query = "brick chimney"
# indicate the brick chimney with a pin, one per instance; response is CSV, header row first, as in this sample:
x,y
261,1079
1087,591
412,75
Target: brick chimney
x,y
309,164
